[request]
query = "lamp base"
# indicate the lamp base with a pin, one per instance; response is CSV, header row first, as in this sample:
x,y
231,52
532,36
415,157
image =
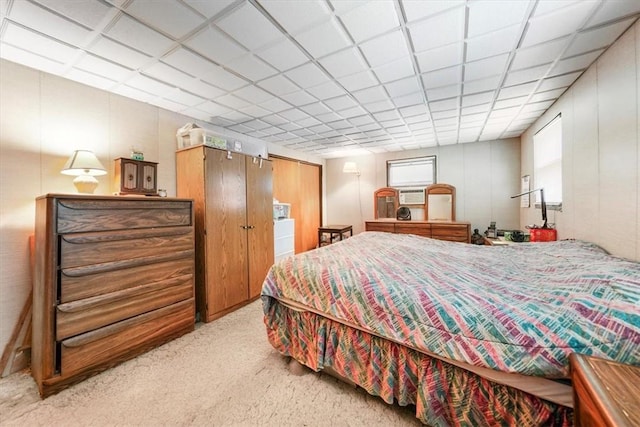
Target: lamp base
x,y
85,184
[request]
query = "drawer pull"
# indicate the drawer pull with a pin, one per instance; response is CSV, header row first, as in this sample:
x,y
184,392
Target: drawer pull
x,y
127,263
98,300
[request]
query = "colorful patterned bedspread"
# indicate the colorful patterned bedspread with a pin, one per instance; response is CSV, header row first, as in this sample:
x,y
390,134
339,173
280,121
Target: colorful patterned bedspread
x,y
522,308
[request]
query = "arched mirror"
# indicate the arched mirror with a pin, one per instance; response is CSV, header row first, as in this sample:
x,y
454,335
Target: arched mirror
x,y
440,202
385,202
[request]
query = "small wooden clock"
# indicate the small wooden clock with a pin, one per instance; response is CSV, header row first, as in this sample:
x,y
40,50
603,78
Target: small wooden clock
x,y
136,177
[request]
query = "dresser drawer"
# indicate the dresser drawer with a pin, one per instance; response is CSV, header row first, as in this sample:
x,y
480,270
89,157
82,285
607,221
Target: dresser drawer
x,y
100,251
420,229
85,315
454,233
79,283
113,343
76,215
380,226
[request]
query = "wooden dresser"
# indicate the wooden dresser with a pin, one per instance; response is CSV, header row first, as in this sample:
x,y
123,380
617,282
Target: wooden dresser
x,y
452,231
605,393
114,277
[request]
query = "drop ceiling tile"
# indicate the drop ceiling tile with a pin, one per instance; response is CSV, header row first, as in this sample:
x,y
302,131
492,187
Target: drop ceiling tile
x,y
218,121
505,112
38,44
134,34
526,75
442,57
326,90
473,118
283,55
444,92
414,110
403,87
443,29
249,27
358,81
253,94
299,98
511,102
241,128
275,120
370,19
487,67
576,63
215,45
324,39
387,115
444,77
478,98
308,122
482,108
482,85
119,53
340,102
257,124
493,43
278,85
372,94
169,16
320,128
295,16
613,10
88,78
45,22
597,38
328,118
213,108
417,9
251,67
537,106
490,15
349,113
383,105
315,108
307,75
539,54
235,116
395,70
232,101
101,67
184,98
209,8
558,23
385,49
348,61
447,104
419,126
410,99
518,90
149,85
547,95
422,118
289,126
275,105
558,82
90,14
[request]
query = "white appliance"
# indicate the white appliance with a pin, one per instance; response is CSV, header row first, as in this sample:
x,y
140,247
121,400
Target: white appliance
x,y
284,238
411,196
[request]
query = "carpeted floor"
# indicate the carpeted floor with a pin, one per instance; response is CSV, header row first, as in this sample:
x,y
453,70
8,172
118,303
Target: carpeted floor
x,y
223,374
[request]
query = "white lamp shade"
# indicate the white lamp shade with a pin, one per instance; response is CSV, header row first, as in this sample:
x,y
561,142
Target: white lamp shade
x,y
350,167
83,162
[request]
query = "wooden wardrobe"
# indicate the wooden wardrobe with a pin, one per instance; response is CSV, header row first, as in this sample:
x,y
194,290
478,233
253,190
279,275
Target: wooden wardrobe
x,y
233,205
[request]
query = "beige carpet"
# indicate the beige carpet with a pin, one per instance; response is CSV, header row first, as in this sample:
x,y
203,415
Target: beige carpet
x,y
223,374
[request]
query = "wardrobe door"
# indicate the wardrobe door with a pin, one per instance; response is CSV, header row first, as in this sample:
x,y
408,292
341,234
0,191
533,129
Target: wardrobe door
x,y
260,221
226,214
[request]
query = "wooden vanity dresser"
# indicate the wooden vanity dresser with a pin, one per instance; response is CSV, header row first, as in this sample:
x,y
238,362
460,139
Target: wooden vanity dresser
x,y
113,278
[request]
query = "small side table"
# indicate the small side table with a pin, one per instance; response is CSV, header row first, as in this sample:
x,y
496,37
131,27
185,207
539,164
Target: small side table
x,y
333,233
605,393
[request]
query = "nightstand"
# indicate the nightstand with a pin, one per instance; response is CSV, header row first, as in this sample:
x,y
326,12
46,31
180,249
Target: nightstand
x,y
605,393
333,233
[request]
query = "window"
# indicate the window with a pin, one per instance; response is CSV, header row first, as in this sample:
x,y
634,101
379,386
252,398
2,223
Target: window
x,y
547,163
416,172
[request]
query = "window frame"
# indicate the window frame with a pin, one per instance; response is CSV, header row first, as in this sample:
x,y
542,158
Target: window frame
x,y
553,169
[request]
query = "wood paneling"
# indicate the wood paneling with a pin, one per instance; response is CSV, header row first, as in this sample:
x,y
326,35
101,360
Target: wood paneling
x,y
299,183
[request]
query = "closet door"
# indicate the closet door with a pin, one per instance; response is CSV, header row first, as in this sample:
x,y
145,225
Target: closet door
x,y
260,221
226,214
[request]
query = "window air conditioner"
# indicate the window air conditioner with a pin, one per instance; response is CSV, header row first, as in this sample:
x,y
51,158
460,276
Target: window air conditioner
x,y
411,196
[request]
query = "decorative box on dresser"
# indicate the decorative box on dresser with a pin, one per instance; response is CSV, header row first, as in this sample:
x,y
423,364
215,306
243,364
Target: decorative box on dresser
x,y
114,277
454,231
234,225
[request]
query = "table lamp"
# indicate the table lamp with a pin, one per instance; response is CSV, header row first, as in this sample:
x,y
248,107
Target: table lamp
x,y
85,166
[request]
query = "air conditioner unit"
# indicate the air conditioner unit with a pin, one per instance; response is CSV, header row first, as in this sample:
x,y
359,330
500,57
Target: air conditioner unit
x,y
411,196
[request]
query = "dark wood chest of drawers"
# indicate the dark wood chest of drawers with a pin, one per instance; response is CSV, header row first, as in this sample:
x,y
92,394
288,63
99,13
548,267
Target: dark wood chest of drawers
x,y
114,277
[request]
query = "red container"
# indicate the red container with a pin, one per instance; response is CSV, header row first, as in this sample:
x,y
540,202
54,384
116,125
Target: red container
x,y
543,234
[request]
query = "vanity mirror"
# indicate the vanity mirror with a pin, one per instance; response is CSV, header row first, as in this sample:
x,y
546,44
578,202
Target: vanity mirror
x,y
440,202
385,202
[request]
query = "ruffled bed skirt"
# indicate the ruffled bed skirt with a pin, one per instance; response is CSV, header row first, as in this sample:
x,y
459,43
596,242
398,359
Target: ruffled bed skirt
x,y
444,394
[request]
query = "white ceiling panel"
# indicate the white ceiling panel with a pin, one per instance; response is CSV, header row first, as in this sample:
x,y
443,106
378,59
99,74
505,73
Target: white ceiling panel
x,y
370,19
330,77
215,45
168,16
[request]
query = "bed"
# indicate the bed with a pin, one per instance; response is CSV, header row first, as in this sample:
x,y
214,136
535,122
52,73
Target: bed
x,y
470,335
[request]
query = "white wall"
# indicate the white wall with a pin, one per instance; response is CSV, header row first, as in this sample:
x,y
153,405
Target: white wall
x,y
43,118
601,152
485,175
